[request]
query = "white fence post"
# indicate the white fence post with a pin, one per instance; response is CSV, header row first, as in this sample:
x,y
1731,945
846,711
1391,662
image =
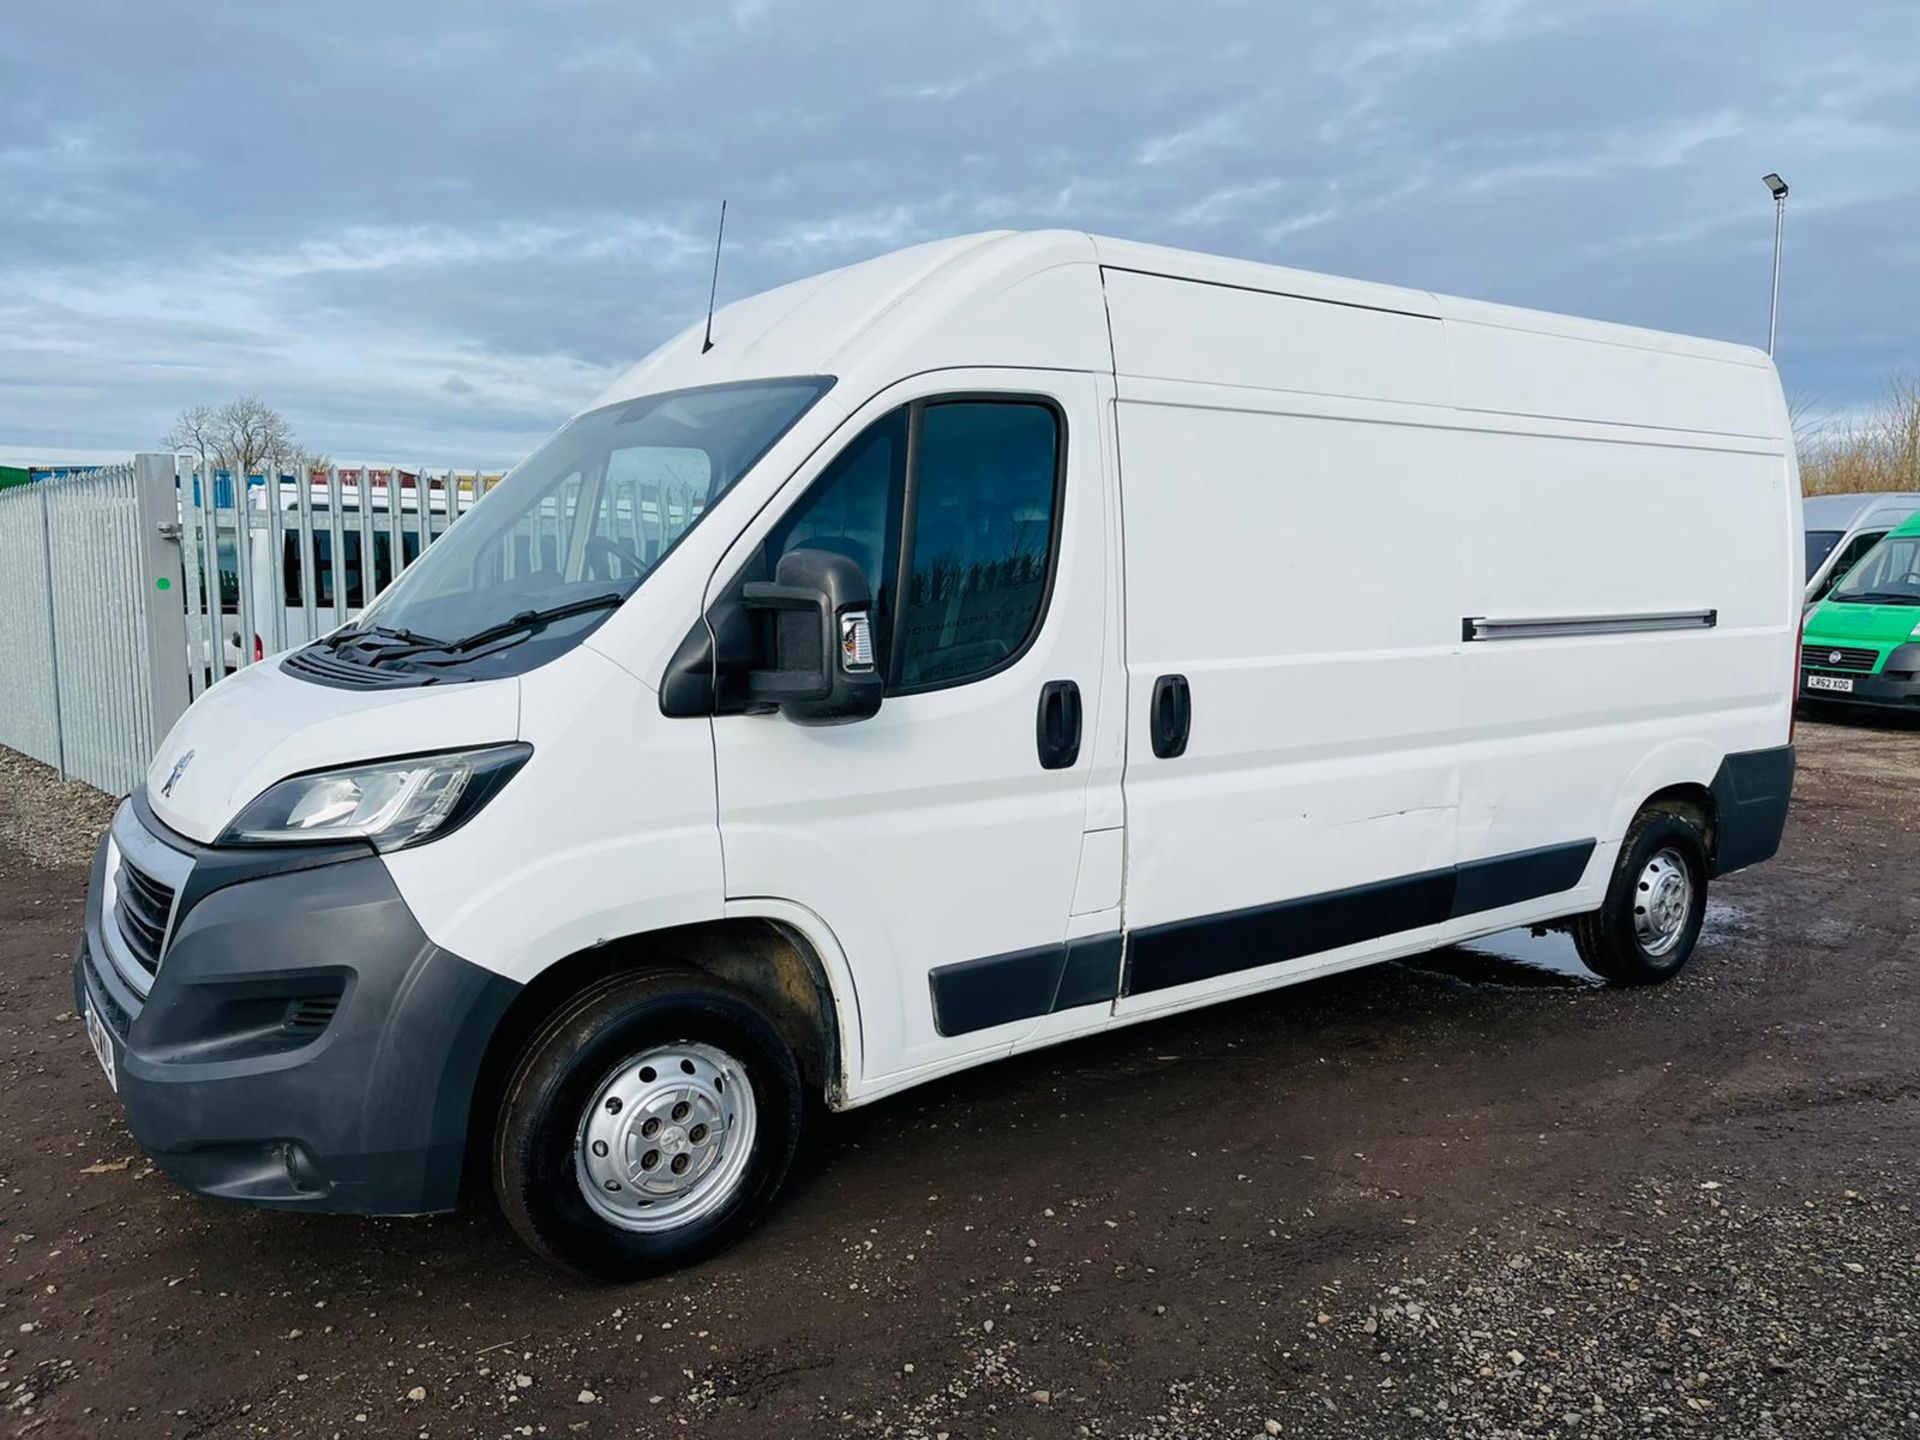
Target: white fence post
x,y
157,490
53,643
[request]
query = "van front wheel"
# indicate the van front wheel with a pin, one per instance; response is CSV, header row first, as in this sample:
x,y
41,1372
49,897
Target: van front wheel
x,y
647,1125
1650,921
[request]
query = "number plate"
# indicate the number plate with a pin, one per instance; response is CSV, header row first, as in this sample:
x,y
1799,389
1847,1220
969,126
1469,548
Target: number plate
x,y
102,1045
1838,683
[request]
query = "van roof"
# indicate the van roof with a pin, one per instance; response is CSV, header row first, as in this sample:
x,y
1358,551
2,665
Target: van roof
x,y
1030,299
1843,512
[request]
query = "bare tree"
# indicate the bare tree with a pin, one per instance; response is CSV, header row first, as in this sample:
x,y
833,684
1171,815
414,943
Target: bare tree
x,y
254,436
197,431
245,436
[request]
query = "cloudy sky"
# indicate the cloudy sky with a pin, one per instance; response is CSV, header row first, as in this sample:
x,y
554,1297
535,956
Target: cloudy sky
x,y
431,230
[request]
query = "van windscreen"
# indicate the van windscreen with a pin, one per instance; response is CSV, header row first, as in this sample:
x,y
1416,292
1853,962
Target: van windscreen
x,y
1890,575
580,523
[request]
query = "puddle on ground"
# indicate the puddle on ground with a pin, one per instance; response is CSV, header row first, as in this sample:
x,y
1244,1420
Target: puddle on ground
x,y
1520,957
1513,957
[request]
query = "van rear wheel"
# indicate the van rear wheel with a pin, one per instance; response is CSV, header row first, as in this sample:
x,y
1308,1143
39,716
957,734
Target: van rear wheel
x,y
646,1126
1647,927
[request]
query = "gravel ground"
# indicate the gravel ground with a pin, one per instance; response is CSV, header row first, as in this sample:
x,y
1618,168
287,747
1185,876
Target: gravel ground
x,y
49,821
1473,1195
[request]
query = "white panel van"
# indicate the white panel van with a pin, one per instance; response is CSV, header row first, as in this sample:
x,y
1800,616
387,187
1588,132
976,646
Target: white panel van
x,y
1017,649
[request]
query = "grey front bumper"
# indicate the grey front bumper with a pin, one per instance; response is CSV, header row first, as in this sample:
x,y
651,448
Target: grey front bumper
x,y
302,1044
1882,690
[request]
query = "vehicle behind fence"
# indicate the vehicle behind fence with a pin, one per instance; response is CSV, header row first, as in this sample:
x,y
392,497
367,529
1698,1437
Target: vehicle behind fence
x,y
283,588
126,592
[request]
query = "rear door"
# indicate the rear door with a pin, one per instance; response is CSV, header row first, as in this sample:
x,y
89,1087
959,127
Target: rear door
x,y
937,841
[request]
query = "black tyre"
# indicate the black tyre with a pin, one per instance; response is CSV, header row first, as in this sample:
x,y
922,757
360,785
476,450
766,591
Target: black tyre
x,y
1650,921
647,1125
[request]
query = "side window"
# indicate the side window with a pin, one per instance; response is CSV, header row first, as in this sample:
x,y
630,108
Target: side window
x,y
1850,557
229,572
971,529
290,567
983,521
853,509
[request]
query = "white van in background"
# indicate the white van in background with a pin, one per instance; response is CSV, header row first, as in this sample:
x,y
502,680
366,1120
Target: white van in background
x,y
289,607
989,644
1841,529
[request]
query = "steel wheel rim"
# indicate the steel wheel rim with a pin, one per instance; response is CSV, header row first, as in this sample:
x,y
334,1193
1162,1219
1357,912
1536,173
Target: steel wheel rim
x,y
666,1137
1662,902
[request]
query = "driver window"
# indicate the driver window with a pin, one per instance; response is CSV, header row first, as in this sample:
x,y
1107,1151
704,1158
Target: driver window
x,y
983,499
853,509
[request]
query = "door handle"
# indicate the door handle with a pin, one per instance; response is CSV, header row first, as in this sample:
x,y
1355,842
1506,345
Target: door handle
x,y
1170,716
1057,727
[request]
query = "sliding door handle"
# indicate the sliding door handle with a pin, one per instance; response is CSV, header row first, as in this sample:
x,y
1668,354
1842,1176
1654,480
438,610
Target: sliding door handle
x,y
1057,727
1170,716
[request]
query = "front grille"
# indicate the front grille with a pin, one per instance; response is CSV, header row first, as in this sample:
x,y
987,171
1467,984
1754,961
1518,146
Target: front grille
x,y
142,907
1856,660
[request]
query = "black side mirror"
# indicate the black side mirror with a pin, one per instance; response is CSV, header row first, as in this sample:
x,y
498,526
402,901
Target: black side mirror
x,y
820,640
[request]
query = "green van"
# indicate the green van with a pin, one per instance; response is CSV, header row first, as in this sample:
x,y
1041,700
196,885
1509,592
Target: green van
x,y
1861,644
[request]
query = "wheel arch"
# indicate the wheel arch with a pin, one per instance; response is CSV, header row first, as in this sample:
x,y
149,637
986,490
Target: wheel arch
x,y
1697,803
1677,776
769,956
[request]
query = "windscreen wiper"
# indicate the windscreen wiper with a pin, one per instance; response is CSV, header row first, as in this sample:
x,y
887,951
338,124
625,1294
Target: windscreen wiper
x,y
382,642
1878,597
530,620
390,632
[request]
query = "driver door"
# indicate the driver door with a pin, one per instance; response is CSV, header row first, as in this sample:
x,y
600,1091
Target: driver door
x,y
934,840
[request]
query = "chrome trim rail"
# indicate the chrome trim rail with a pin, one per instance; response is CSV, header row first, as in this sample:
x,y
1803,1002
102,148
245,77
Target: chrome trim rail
x,y
1559,627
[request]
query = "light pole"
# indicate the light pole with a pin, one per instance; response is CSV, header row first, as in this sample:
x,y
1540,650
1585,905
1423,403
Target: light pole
x,y
1779,189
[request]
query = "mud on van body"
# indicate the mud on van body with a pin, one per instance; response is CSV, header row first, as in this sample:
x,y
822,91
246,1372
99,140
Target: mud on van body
x,y
1003,659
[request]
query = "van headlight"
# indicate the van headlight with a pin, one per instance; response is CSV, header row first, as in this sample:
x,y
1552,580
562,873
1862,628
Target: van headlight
x,y
391,804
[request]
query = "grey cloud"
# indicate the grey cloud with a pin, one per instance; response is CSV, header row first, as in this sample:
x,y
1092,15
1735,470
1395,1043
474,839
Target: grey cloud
x,y
349,208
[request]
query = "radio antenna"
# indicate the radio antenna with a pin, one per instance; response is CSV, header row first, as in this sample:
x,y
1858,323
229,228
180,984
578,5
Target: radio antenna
x,y
714,289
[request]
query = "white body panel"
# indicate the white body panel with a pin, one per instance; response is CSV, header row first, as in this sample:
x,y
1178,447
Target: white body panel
x,y
1290,489
608,831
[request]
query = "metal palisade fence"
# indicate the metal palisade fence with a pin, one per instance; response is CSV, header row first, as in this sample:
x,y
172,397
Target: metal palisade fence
x,y
128,591
88,601
270,566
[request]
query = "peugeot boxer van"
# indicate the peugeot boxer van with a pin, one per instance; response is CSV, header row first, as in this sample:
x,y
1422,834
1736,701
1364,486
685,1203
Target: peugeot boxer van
x,y
1012,651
